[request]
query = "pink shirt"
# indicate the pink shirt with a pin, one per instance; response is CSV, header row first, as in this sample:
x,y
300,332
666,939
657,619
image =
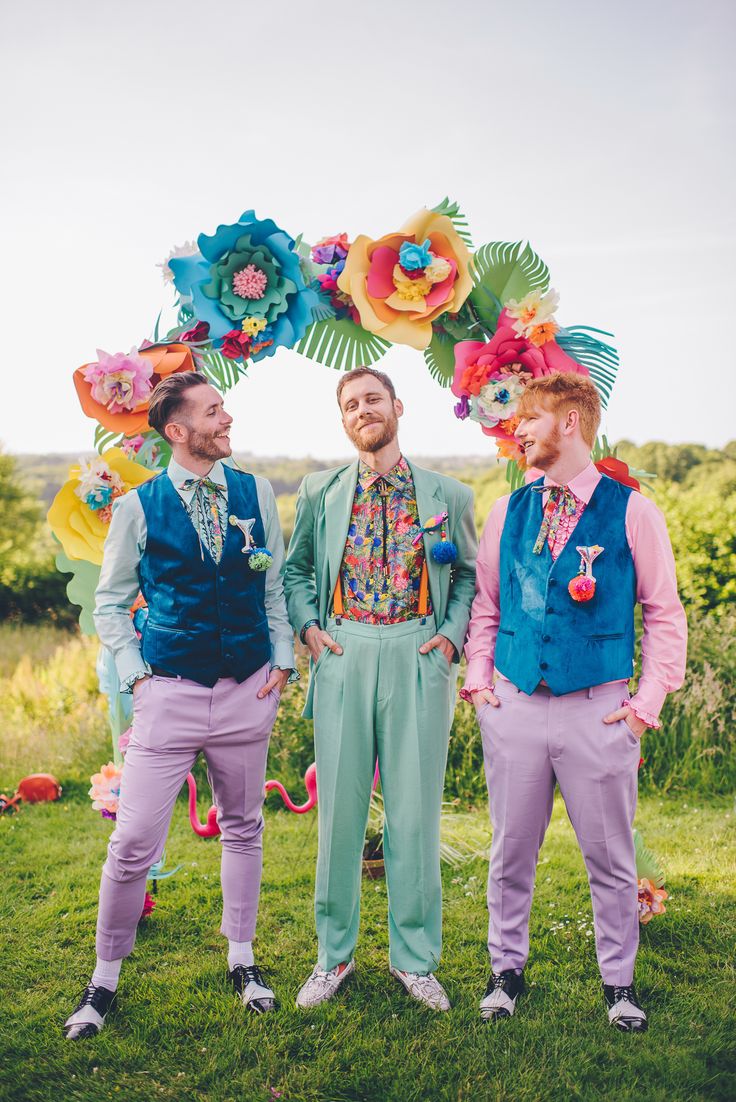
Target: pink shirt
x,y
664,640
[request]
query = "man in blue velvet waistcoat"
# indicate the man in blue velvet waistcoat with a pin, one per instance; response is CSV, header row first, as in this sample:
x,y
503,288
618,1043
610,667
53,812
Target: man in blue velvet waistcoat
x,y
203,544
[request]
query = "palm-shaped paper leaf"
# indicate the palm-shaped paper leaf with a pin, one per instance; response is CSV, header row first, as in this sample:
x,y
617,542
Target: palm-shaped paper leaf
x,y
439,356
458,219
600,358
504,270
647,865
340,343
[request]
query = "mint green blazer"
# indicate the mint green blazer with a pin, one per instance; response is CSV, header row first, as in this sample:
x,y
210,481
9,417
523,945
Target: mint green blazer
x,y
323,509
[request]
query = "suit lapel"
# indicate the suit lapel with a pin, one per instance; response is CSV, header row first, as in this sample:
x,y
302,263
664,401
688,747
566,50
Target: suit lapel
x,y
429,504
338,507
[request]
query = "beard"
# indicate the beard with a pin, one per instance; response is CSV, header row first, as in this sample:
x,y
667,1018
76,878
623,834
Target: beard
x,y
374,435
548,450
208,445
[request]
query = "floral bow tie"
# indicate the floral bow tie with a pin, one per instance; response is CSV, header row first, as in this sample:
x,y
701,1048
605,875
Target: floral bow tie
x,y
561,502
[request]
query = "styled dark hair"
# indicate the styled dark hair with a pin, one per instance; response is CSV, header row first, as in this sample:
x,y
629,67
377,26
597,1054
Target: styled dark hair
x,y
357,372
169,397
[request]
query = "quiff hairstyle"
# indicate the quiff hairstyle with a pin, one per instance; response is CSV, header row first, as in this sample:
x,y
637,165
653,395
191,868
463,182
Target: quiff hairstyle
x,y
356,374
561,392
169,398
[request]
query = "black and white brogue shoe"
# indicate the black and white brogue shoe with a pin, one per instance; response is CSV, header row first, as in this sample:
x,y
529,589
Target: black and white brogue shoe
x,y
625,1012
88,1017
501,994
252,989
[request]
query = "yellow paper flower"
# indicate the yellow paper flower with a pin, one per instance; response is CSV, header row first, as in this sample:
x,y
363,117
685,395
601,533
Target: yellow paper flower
x,y
253,326
390,311
80,529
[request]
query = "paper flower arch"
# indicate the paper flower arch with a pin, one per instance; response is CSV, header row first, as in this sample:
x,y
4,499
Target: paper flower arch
x,y
484,320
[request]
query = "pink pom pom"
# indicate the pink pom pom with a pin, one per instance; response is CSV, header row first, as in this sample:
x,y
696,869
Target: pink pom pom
x,y
581,588
250,283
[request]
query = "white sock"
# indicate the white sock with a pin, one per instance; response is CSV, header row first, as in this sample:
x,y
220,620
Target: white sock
x,y
240,952
106,973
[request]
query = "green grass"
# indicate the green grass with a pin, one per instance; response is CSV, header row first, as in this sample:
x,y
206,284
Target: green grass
x,y
179,1034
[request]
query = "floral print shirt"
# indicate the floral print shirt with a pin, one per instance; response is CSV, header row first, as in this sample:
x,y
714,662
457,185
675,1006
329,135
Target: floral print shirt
x,y
381,569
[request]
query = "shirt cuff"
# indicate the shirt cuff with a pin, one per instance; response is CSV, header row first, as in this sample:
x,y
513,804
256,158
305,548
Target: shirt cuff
x,y
282,655
479,675
646,717
647,702
130,666
294,674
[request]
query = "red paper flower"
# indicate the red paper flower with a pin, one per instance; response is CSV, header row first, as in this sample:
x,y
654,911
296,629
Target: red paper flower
x,y
617,470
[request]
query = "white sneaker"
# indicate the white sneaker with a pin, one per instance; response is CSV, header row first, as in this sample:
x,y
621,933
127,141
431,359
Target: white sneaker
x,y
322,985
425,988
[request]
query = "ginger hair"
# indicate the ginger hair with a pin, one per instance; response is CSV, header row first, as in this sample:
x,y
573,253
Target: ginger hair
x,y
561,392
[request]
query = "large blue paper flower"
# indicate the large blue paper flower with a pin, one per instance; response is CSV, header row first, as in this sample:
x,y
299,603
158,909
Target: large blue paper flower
x,y
247,270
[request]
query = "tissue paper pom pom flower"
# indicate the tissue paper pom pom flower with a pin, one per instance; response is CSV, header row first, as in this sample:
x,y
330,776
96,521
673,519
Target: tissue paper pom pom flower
x,y
651,901
331,249
497,399
105,790
159,360
81,530
534,310
247,269
119,382
368,278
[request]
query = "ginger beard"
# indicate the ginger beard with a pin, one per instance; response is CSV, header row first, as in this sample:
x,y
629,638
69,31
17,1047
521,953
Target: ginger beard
x,y
545,451
371,436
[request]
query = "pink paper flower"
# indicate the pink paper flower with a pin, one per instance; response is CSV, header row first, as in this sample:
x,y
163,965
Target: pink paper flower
x,y
105,790
119,382
651,901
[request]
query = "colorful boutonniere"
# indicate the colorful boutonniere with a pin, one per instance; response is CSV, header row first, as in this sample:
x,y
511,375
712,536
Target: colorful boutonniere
x,y
260,558
582,586
445,551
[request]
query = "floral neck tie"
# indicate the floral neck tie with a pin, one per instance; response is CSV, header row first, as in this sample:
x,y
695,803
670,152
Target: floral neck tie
x,y
561,502
206,513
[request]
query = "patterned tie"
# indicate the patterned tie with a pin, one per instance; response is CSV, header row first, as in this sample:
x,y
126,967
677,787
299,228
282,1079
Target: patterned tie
x,y
205,513
561,501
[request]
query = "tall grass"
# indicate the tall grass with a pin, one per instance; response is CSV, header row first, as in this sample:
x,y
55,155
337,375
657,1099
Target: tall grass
x,y
52,718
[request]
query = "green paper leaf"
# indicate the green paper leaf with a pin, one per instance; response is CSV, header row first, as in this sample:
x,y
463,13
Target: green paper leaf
x,y
104,438
439,357
514,475
647,865
81,588
222,372
600,358
453,212
340,343
504,270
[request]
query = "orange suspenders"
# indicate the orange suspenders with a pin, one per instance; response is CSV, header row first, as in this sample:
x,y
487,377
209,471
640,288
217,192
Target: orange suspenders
x,y
338,604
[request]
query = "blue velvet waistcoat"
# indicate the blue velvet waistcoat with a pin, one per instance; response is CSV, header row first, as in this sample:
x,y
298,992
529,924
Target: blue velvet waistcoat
x,y
544,633
206,620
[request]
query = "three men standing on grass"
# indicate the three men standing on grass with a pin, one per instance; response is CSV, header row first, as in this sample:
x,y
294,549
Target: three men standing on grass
x,y
379,580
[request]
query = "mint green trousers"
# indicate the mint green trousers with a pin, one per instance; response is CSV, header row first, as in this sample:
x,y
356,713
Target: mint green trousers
x,y
381,699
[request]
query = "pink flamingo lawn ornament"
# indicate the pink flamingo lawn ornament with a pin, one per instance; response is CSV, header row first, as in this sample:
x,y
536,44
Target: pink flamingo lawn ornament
x,y
210,828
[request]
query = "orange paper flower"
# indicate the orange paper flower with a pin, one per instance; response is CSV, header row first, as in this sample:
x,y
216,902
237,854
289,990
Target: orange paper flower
x,y
386,299
165,359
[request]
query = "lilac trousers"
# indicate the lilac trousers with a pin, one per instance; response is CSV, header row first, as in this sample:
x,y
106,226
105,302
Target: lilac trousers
x,y
529,744
173,719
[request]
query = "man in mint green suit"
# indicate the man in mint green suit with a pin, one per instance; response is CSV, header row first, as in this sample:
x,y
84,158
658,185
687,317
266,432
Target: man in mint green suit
x,y
379,580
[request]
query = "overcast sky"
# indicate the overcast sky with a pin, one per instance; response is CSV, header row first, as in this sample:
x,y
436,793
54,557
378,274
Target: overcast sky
x,y
603,133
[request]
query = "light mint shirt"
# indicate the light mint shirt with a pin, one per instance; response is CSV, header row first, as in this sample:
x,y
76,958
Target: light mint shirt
x,y
119,583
